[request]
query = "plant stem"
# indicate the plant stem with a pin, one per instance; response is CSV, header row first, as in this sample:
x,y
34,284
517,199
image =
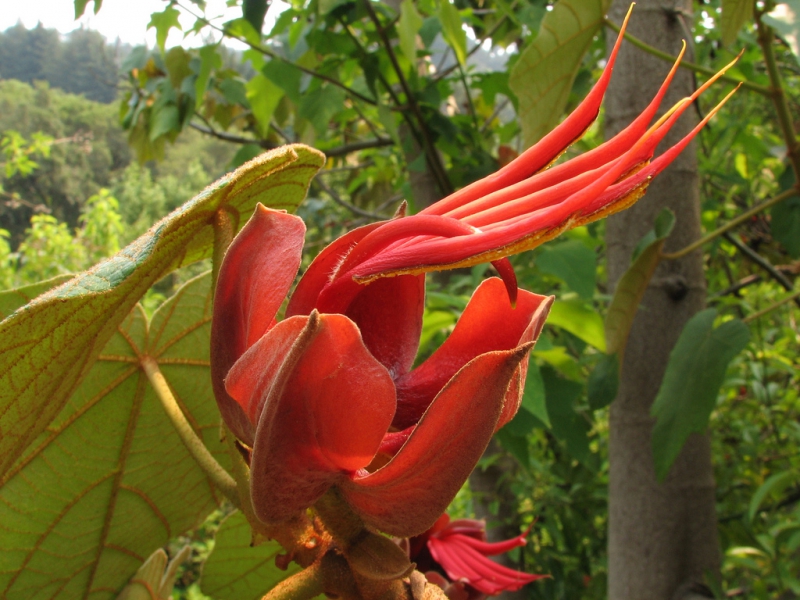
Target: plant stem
x,y
765,40
686,64
304,585
209,465
730,225
772,307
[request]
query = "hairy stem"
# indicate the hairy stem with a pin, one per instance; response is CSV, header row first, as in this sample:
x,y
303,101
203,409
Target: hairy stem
x,y
219,476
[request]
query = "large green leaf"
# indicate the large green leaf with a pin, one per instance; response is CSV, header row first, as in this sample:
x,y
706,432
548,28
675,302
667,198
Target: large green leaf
x,y
580,320
48,346
572,262
543,76
735,14
238,571
785,217
632,285
109,481
11,300
694,376
567,424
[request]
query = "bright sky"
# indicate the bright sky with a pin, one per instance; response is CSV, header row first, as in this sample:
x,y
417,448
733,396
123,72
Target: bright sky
x,y
124,19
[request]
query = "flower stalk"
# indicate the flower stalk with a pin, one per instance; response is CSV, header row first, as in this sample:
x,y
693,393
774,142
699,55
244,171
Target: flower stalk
x,y
219,476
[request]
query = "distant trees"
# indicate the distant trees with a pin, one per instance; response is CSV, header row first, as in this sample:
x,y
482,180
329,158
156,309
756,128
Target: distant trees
x,y
80,63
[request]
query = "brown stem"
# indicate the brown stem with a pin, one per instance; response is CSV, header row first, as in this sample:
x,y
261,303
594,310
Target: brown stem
x,y
771,307
431,154
730,225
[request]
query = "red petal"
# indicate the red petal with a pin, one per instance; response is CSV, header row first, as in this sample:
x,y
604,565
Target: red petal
x,y
408,495
324,266
254,278
324,413
487,324
542,153
388,311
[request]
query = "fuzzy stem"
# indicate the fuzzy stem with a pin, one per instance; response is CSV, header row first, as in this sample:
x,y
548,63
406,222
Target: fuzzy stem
x,y
730,225
193,443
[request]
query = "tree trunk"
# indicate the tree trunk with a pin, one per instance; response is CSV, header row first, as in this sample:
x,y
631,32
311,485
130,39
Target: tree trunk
x,y
662,537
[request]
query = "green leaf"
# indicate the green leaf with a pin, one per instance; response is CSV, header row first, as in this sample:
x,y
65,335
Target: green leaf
x,y
603,382
162,22
534,398
109,481
209,59
517,445
695,373
285,76
568,425
772,486
735,13
632,285
177,63
11,300
235,570
320,105
48,346
543,76
785,217
80,7
263,96
254,11
453,30
407,29
245,153
785,20
165,120
573,263
580,320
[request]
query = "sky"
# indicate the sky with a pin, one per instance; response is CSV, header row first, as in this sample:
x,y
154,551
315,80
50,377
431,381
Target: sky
x,y
123,19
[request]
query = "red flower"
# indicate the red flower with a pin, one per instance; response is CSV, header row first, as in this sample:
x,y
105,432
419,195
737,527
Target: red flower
x,y
459,549
329,399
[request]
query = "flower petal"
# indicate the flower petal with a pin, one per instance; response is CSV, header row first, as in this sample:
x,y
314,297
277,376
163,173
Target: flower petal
x,y
254,278
388,312
409,494
325,412
487,324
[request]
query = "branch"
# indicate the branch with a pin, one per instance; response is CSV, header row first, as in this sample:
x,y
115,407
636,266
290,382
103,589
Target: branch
x,y
771,307
765,40
275,55
445,187
686,64
342,202
745,216
209,465
234,139
356,146
761,262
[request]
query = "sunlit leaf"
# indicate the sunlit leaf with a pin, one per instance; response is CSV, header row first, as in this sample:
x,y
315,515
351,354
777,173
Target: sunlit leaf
x,y
572,262
254,11
109,481
11,300
632,285
453,30
735,13
695,373
162,22
407,28
47,347
542,77
580,320
238,571
771,487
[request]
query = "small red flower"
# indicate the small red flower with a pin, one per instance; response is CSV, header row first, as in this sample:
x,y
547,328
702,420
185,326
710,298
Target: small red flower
x,y
459,550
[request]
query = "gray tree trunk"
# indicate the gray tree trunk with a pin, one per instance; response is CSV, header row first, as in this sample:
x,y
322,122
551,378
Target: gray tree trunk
x,y
662,537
